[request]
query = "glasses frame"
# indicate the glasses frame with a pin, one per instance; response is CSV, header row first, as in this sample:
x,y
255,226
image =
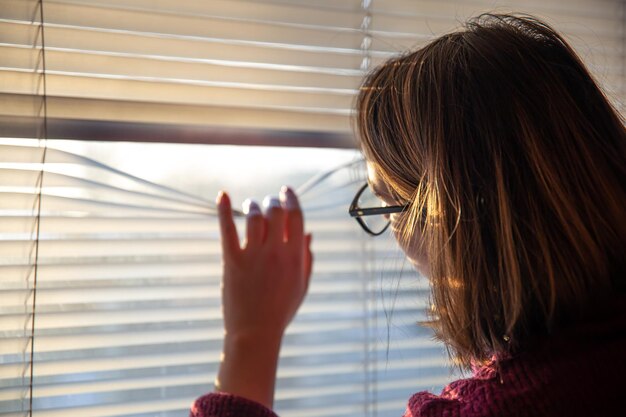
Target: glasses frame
x,y
358,212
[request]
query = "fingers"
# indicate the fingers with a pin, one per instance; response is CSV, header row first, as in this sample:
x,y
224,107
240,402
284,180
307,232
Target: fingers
x,y
283,220
275,220
228,230
295,222
255,224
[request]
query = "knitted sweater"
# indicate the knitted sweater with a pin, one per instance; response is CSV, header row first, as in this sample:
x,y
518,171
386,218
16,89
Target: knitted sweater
x,y
579,371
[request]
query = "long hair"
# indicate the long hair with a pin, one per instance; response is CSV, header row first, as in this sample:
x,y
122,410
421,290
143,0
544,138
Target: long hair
x,y
501,138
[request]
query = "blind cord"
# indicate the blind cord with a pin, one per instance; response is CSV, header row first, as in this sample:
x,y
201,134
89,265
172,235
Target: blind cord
x,y
369,306
44,136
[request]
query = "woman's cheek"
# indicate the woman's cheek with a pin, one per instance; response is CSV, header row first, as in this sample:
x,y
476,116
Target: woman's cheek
x,y
418,257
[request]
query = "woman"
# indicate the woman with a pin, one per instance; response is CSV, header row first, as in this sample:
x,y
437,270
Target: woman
x,y
511,162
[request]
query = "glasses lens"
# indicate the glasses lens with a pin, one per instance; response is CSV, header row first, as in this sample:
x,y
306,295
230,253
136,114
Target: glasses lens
x,y
376,223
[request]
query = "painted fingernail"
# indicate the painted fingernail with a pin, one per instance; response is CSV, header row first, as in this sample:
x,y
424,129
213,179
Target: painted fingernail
x,y
250,207
270,201
219,197
288,198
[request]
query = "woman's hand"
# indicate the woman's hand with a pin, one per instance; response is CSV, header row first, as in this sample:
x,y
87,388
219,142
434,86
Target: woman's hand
x,y
264,283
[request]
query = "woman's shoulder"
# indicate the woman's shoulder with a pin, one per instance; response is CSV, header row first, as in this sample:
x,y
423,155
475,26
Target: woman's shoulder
x,y
578,371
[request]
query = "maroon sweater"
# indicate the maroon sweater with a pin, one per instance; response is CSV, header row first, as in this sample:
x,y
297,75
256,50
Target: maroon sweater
x,y
579,371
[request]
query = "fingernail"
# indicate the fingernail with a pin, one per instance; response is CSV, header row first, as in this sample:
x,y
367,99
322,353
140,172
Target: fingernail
x,y
250,207
218,199
270,201
288,198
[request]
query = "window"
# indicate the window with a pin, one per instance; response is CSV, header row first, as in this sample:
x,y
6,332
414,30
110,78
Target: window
x,y
127,317
124,317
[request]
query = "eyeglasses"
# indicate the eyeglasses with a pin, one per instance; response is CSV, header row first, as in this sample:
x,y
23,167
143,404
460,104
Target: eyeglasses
x,y
369,211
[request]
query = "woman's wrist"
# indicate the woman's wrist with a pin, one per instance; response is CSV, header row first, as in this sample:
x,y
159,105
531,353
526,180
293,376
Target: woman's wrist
x,y
248,367
266,335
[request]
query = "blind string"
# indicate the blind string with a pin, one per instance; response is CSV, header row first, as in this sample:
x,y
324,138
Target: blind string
x,y
369,350
39,198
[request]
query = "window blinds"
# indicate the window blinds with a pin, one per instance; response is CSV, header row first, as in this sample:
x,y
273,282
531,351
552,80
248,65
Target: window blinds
x,y
127,318
207,71
127,312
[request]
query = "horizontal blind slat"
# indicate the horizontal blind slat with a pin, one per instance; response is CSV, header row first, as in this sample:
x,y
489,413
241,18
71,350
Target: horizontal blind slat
x,y
200,71
207,351
163,113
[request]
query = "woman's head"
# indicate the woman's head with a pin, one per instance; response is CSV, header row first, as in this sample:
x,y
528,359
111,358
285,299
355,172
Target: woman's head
x,y
501,138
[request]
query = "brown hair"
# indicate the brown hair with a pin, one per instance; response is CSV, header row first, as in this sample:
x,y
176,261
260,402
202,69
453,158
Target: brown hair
x,y
500,134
